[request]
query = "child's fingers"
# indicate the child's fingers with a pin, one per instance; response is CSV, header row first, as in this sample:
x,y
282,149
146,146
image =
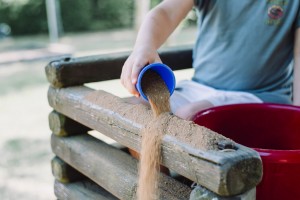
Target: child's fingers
x,y
126,77
139,65
126,74
135,71
131,69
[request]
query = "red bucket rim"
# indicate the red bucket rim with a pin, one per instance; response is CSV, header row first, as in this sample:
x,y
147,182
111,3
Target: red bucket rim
x,y
274,154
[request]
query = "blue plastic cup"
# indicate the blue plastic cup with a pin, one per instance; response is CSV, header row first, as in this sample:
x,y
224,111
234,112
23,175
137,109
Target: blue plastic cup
x,y
163,71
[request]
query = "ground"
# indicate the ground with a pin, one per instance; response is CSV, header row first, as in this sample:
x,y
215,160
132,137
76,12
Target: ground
x,y
24,144
25,171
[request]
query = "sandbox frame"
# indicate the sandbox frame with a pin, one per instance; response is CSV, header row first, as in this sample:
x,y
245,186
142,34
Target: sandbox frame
x,y
87,168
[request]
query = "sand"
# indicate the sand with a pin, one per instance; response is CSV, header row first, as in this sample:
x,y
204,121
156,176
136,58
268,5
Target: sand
x,y
158,95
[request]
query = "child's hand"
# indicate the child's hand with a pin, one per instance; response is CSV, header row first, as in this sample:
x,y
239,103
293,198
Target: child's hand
x,y
158,24
138,59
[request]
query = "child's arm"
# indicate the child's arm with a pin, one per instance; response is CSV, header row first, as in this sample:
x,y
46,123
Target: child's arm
x,y
160,22
296,87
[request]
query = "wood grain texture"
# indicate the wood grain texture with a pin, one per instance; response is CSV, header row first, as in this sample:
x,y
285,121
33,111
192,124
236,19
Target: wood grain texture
x,y
109,167
81,190
223,172
62,125
77,71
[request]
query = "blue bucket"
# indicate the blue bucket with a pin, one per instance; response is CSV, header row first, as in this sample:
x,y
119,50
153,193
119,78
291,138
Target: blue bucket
x,y
163,71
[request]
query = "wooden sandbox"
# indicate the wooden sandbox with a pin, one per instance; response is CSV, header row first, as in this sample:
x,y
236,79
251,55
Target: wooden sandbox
x,y
88,168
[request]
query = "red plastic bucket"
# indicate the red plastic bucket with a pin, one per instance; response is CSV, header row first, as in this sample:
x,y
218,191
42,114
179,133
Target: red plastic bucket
x,y
271,129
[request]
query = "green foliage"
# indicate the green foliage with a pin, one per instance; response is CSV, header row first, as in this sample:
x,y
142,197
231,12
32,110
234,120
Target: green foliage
x,y
30,17
155,2
109,14
24,17
76,15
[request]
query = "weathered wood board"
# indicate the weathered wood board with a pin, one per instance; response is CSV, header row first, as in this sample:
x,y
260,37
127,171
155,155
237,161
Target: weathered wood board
x,y
200,193
78,71
81,190
225,172
109,167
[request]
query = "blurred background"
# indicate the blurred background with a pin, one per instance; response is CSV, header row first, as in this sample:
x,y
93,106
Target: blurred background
x,y
34,32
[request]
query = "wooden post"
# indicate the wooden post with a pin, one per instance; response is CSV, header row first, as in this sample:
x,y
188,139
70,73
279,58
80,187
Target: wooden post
x,y
226,173
61,125
109,167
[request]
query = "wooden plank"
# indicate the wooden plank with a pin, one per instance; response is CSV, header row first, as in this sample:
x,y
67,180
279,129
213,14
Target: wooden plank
x,y
77,71
81,190
62,125
225,172
63,172
109,167
201,193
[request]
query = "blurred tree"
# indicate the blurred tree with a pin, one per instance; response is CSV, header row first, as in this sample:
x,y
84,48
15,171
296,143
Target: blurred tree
x,y
76,15
4,12
109,14
29,16
155,2
24,16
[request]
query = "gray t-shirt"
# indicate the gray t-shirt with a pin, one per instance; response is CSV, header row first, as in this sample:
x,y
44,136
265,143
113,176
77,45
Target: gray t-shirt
x,y
247,45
